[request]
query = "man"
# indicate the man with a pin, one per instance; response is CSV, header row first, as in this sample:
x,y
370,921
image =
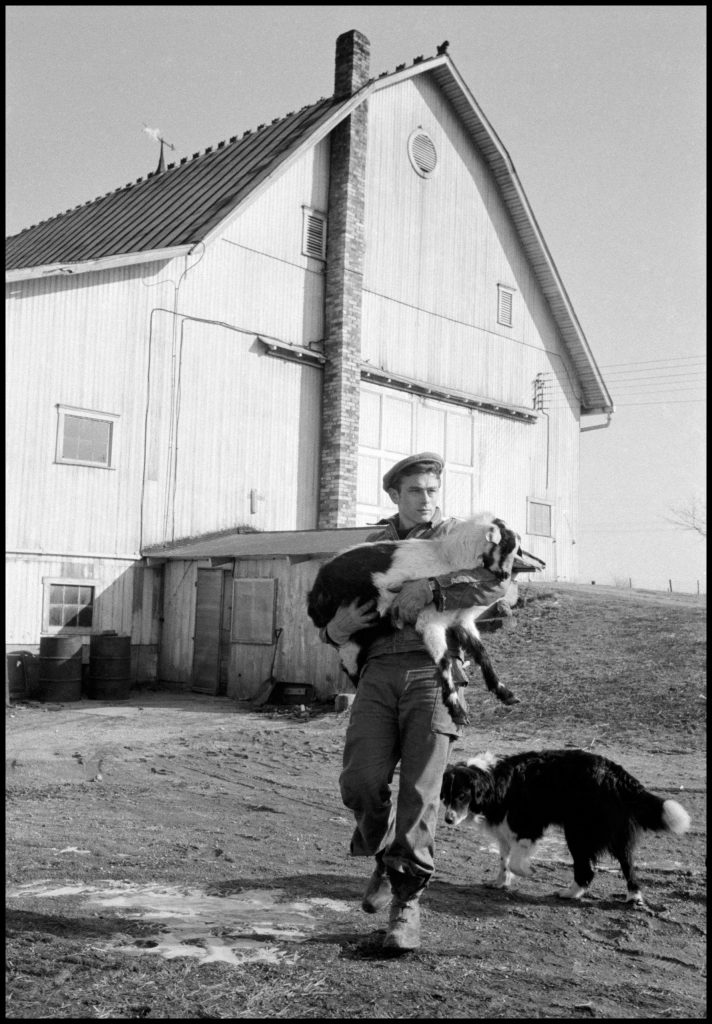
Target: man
x,y
398,713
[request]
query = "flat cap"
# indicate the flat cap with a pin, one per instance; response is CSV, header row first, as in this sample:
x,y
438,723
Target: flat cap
x,y
411,460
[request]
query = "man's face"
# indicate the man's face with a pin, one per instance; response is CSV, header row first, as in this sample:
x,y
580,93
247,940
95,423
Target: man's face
x,y
416,499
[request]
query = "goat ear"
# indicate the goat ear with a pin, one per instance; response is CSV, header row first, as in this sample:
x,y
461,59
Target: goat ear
x,y
493,534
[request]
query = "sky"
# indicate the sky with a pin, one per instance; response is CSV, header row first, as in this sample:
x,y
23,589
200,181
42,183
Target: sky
x,y
601,108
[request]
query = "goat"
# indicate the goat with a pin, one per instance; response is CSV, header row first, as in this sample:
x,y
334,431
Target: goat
x,y
377,571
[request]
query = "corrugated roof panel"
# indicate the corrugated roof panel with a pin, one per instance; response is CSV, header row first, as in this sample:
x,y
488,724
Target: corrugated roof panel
x,y
177,207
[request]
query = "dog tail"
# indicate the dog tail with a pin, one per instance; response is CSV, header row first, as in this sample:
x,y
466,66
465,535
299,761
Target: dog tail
x,y
675,817
658,815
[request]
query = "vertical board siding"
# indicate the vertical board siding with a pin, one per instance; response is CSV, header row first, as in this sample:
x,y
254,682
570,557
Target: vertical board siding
x,y
78,342
299,655
115,608
437,248
247,422
111,341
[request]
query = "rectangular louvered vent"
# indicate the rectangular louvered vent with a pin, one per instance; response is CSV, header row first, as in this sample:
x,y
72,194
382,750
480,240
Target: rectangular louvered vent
x,y
314,234
538,518
505,300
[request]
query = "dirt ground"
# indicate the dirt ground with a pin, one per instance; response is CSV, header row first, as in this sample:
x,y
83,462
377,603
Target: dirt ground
x,y
181,856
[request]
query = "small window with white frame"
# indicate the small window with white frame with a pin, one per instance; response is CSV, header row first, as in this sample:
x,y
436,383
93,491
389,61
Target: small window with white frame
x,y
313,233
86,437
538,518
68,605
505,305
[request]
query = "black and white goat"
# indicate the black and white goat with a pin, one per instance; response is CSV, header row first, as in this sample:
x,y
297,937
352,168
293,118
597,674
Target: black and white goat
x,y
377,571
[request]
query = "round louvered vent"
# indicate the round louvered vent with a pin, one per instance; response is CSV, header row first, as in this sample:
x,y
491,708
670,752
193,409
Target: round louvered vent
x,y
422,153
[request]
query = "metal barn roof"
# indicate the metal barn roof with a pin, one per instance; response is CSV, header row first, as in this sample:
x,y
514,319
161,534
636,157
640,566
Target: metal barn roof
x,y
175,208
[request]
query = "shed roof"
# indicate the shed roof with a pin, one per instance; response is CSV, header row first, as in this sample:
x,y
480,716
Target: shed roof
x,y
230,544
166,214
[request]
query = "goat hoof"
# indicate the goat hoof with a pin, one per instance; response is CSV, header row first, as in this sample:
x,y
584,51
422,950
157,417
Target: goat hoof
x,y
508,698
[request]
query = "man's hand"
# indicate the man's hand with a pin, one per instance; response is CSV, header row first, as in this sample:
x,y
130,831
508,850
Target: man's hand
x,y
349,619
410,601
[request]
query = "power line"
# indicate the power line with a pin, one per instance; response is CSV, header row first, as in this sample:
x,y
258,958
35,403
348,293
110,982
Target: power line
x,y
643,362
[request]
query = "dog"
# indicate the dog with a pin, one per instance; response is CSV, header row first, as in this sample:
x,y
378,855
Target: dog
x,y
376,571
600,806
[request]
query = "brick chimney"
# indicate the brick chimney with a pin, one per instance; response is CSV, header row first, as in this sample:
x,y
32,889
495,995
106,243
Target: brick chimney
x,y
353,56
343,288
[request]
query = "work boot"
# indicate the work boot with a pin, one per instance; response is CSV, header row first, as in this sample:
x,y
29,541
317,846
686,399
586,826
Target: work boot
x,y
378,891
404,922
403,925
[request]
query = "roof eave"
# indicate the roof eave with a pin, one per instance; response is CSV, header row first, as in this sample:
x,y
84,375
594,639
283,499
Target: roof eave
x,y
105,263
498,159
269,544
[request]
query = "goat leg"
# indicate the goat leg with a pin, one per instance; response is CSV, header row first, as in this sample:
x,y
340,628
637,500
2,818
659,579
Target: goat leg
x,y
474,646
450,695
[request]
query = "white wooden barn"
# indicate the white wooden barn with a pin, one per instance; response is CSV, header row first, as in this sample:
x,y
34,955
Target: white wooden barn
x,y
245,340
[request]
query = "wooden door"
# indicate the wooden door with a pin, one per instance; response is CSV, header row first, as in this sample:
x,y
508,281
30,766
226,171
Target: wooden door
x,y
207,636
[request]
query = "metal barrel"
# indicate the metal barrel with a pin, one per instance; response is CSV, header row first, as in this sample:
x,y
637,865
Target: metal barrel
x,y
109,667
60,676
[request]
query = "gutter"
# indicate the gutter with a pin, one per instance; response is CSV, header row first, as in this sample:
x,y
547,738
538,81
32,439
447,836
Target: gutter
x,y
104,263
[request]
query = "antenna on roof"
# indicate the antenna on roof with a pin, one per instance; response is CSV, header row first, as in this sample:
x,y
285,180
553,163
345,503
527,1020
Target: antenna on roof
x,y
155,134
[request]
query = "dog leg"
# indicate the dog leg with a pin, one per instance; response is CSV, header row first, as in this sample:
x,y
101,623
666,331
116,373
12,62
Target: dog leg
x,y
574,892
505,876
623,852
584,858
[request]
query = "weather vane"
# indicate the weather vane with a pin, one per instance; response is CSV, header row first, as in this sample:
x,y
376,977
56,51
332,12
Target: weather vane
x,y
155,134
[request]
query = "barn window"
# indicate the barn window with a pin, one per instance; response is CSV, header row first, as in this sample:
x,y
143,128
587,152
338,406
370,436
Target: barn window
x,y
505,302
85,437
538,518
68,606
422,153
313,234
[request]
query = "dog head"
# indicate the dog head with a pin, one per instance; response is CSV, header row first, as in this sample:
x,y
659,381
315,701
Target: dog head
x,y
465,787
503,546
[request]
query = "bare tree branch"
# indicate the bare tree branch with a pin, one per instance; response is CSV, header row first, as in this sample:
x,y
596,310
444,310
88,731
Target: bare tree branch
x,y
692,516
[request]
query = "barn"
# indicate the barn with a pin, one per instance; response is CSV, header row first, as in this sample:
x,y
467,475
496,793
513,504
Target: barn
x,y
209,370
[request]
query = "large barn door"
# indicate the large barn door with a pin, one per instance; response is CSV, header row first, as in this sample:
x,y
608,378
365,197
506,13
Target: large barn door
x,y
393,425
209,663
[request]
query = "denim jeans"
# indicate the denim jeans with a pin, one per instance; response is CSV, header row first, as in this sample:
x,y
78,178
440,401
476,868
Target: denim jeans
x,y
398,714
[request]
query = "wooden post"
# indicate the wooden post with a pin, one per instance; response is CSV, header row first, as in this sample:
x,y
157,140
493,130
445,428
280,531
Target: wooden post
x,y
670,585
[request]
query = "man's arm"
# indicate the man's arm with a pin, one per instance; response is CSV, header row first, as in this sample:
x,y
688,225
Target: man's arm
x,y
461,589
349,619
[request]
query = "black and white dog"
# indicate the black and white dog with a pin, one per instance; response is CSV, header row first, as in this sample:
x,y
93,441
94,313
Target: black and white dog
x,y
600,806
377,571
